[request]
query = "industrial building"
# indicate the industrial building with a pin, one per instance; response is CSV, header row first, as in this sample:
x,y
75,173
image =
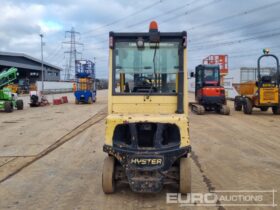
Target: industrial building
x,y
29,68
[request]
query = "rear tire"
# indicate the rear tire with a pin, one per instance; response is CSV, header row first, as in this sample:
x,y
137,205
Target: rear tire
x,y
185,176
225,110
247,106
19,104
108,180
90,100
276,110
264,109
237,106
8,106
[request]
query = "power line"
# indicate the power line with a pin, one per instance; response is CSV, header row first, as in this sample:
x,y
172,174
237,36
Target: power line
x,y
210,23
236,55
228,43
164,14
54,53
252,25
59,57
215,21
151,18
199,44
191,11
126,17
168,12
237,52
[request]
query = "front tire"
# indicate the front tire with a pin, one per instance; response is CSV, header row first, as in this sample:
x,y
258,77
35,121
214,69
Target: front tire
x,y
8,106
247,106
108,180
185,176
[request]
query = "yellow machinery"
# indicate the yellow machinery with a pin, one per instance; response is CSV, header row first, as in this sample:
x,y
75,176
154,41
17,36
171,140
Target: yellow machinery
x,y
262,94
147,131
13,88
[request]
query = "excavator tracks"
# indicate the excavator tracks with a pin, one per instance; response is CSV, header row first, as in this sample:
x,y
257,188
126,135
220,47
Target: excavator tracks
x,y
198,109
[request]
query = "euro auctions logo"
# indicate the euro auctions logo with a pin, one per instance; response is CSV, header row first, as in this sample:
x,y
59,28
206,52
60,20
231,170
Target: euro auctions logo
x,y
231,198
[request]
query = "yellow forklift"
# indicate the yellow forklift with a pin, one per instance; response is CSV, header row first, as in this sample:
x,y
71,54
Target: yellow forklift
x,y
262,94
147,129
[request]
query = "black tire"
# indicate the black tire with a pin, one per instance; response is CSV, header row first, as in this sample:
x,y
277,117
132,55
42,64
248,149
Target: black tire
x,y
276,110
247,106
19,104
8,106
90,100
108,173
185,176
264,109
238,103
237,106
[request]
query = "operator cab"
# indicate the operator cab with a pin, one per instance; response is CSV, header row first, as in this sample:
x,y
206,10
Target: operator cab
x,y
147,68
268,77
207,75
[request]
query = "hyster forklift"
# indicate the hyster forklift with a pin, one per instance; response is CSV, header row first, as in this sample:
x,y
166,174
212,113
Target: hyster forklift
x,y
147,130
209,94
262,94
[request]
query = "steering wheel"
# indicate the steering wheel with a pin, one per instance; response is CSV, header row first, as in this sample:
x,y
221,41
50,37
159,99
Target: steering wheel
x,y
144,80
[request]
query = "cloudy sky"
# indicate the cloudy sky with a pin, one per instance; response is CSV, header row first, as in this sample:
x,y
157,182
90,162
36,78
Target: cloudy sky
x,y
238,28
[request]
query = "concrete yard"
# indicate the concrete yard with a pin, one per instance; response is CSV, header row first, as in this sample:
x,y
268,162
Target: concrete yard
x,y
43,165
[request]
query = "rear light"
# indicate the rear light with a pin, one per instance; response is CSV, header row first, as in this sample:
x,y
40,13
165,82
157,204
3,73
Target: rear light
x,y
185,42
111,42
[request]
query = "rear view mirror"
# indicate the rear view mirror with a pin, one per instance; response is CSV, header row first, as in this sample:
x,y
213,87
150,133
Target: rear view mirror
x,y
192,74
